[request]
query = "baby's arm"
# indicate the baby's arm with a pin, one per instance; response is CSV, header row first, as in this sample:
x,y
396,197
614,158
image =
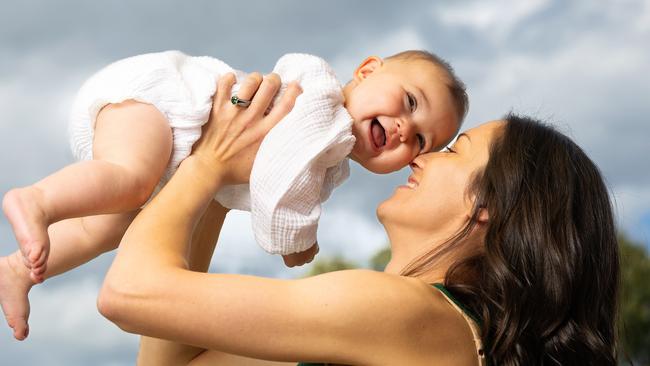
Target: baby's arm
x,y
293,163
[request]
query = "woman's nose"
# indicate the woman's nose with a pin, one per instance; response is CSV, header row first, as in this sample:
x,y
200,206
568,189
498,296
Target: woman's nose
x,y
420,161
416,163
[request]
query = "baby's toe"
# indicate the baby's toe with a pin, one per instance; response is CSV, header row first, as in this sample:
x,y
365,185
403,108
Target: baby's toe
x,y
34,255
36,278
21,331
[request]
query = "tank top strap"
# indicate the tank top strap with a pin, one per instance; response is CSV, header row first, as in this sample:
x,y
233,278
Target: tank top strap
x,y
471,320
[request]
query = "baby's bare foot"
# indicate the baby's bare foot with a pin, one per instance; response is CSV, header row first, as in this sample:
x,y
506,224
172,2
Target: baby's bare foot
x,y
29,223
14,287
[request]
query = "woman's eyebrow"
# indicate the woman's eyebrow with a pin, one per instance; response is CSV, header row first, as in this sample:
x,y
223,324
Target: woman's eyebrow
x,y
464,134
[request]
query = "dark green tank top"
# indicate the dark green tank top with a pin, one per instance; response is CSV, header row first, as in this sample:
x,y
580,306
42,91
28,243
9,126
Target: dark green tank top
x,y
440,287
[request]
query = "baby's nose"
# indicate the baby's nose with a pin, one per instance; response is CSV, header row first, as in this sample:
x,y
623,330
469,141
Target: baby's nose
x,y
403,130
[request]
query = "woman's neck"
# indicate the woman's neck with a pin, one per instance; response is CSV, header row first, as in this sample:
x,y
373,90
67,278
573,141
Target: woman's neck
x,y
408,247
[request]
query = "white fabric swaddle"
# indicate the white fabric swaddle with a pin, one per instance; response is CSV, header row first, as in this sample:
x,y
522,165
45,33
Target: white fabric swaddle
x,y
298,165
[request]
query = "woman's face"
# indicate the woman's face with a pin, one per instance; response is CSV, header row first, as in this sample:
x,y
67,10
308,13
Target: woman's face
x,y
434,202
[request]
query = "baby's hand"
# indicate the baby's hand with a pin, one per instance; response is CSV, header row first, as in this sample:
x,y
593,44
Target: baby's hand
x,y
300,258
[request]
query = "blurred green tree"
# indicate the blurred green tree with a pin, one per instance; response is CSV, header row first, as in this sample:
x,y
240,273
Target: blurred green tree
x,y
634,321
324,265
379,261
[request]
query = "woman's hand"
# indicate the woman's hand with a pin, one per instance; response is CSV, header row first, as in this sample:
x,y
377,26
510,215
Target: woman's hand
x,y
231,137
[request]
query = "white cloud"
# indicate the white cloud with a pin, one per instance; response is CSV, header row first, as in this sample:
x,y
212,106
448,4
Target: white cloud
x,y
494,19
594,87
341,231
67,314
643,21
401,39
35,99
238,252
352,234
631,204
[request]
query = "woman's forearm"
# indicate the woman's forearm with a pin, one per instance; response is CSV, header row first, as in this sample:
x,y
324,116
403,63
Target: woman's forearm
x,y
155,351
159,239
164,229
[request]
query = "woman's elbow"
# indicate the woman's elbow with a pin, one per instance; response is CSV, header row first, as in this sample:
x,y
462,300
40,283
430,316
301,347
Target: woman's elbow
x,y
108,303
116,305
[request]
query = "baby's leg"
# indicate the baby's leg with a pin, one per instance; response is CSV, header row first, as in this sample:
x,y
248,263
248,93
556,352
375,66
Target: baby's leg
x,y
74,242
131,149
79,240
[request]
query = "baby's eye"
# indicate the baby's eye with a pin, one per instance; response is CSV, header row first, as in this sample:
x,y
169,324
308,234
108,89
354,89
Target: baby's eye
x,y
421,141
413,103
448,150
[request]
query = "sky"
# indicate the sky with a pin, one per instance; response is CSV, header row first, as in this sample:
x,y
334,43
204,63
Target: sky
x,y
582,65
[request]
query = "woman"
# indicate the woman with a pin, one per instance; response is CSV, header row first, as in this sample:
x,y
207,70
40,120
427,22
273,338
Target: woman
x,y
503,250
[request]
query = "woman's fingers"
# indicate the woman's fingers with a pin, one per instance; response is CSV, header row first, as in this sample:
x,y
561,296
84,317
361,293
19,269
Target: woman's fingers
x,y
265,94
233,134
280,110
249,86
224,89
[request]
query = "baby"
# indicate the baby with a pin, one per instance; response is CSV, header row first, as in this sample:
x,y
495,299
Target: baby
x,y
134,121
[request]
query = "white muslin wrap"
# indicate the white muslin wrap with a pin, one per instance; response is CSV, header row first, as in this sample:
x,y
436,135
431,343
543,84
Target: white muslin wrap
x,y
299,163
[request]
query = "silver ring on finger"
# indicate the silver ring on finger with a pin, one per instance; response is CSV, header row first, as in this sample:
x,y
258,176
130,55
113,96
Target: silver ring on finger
x,y
235,100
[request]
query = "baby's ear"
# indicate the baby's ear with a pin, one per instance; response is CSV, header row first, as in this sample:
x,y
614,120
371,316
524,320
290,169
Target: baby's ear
x,y
367,67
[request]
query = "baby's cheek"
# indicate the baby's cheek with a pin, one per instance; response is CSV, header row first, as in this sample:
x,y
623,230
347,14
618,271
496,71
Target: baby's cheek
x,y
394,104
404,158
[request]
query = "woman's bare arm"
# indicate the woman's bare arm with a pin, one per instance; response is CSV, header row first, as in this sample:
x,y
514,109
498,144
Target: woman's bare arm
x,y
160,352
343,317
346,317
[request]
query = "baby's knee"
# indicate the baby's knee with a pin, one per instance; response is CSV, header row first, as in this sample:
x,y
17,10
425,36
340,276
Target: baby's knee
x,y
142,188
135,184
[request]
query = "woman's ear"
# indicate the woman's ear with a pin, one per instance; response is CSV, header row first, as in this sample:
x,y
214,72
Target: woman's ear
x,y
483,215
367,67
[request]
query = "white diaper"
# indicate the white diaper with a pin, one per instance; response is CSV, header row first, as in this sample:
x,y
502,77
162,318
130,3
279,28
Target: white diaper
x,y
300,161
179,86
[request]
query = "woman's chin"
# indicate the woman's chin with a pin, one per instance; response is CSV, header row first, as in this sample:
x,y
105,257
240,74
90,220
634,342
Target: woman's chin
x,y
383,210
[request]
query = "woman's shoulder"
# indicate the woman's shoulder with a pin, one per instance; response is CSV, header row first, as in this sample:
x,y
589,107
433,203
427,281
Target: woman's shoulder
x,y
379,283
413,314
412,301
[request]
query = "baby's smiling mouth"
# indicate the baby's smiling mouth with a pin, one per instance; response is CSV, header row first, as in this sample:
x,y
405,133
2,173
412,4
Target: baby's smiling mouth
x,y
377,133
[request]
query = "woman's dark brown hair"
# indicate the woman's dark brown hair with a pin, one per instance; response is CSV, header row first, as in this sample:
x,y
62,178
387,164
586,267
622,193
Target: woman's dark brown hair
x,y
545,283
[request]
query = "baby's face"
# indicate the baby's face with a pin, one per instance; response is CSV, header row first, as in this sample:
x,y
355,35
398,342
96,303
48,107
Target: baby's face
x,y
400,109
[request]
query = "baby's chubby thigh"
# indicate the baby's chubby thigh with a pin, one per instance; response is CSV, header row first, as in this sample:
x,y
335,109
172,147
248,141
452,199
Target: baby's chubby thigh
x,y
137,138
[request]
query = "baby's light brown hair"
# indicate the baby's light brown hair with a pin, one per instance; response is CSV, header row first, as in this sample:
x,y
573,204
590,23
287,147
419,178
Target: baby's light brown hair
x,y
454,84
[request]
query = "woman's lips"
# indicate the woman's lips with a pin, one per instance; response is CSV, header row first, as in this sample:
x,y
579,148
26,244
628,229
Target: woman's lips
x,y
412,183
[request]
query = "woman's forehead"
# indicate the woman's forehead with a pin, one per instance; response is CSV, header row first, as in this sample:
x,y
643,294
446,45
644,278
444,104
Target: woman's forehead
x,y
484,132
